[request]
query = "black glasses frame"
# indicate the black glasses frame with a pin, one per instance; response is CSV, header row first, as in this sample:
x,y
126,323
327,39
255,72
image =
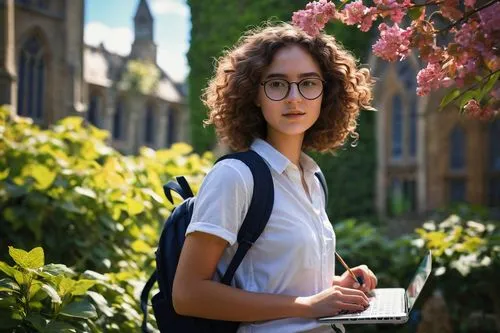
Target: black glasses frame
x,y
263,83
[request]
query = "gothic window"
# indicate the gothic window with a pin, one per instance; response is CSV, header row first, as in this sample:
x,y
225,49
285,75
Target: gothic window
x,y
43,4
93,111
457,182
149,125
170,135
118,124
413,128
397,128
31,84
457,149
494,164
402,196
407,75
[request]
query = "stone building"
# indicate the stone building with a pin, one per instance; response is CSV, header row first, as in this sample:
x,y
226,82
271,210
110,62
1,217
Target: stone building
x,y
428,159
47,72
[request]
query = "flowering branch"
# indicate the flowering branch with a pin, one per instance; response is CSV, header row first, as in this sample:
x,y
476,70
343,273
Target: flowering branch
x,y
472,51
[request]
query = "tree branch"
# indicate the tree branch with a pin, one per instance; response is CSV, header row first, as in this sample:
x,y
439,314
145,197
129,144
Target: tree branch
x,y
466,16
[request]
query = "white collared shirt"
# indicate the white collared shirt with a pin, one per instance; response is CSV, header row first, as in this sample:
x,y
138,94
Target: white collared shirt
x,y
295,253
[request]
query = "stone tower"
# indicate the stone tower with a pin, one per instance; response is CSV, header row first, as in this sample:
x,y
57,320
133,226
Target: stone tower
x,y
144,47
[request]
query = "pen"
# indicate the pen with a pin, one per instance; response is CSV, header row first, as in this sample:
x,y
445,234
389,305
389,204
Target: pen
x,y
359,279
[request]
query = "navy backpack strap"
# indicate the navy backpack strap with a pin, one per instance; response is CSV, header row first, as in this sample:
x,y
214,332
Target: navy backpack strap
x,y
144,300
322,181
259,210
181,187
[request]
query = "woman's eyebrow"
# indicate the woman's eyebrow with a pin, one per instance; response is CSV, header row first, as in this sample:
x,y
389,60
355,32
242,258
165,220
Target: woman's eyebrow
x,y
302,75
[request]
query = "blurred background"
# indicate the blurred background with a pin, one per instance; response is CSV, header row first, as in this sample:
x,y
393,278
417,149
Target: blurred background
x,y
109,98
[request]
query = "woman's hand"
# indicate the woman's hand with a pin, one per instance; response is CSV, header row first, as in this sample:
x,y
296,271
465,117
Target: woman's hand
x,y
335,299
346,280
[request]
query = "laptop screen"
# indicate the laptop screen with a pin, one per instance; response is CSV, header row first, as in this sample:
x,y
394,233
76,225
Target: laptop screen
x,y
418,280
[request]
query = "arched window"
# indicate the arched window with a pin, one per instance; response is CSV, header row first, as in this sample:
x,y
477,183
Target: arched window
x,y
31,84
407,75
93,111
397,128
457,181
494,164
118,130
413,128
149,125
170,135
457,149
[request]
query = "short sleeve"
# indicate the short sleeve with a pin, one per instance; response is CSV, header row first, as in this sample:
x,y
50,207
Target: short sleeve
x,y
223,200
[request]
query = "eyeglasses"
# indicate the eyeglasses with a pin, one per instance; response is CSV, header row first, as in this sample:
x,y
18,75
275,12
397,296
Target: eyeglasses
x,y
278,89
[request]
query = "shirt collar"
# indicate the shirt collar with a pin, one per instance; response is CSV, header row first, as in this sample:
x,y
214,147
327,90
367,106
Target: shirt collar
x,y
278,161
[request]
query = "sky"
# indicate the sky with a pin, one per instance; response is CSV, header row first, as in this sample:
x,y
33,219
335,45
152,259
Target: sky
x,y
111,22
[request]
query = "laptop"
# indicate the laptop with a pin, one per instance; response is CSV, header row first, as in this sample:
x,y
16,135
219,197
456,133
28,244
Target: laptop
x,y
388,305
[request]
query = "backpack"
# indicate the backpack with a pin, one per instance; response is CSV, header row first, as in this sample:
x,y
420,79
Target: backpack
x,y
173,236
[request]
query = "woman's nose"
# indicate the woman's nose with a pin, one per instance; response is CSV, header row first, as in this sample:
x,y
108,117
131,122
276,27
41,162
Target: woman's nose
x,y
294,93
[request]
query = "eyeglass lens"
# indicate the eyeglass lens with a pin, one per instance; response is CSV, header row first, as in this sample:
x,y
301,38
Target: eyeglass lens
x,y
278,89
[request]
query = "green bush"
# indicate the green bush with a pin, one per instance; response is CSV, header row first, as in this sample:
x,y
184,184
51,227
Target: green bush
x,y
466,265
45,298
89,207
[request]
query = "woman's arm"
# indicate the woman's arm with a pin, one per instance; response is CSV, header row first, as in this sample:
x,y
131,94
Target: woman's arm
x,y
195,294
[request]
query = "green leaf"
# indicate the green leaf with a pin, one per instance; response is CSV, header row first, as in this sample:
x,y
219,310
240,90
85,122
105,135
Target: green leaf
x,y
37,321
141,246
8,285
134,207
8,270
415,12
4,174
58,269
449,98
36,292
471,94
8,302
52,293
44,176
66,286
488,86
33,259
20,278
55,326
82,286
79,309
101,303
86,192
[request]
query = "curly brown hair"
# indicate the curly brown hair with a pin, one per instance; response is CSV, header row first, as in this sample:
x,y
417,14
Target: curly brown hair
x,y
231,93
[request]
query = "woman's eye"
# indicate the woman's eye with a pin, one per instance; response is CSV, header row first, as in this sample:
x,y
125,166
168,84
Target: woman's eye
x,y
276,84
309,83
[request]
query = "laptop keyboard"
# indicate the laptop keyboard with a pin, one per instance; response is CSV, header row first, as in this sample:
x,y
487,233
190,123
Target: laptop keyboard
x,y
389,305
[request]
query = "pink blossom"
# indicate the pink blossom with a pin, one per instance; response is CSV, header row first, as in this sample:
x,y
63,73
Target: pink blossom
x,y
314,17
473,109
470,3
490,19
430,78
394,42
357,13
394,9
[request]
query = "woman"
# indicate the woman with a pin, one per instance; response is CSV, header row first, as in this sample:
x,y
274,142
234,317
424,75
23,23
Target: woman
x,y
278,91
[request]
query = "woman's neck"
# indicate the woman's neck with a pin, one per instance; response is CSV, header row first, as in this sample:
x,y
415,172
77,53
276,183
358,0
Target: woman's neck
x,y
289,146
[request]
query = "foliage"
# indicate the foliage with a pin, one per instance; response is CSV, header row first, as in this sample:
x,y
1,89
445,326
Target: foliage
x,y
458,43
89,207
350,174
466,264
141,77
44,298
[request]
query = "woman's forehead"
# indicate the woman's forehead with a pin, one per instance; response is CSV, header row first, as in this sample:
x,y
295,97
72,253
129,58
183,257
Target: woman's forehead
x,y
292,61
